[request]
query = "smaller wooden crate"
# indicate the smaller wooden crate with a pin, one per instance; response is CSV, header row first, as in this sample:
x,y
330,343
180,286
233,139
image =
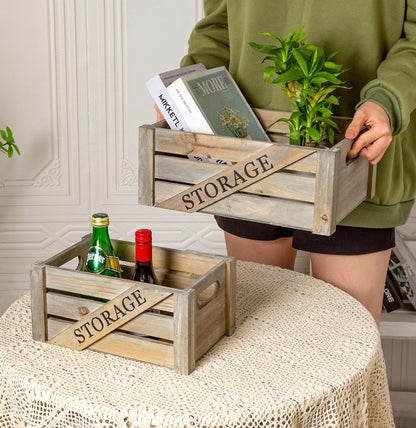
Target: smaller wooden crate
x,y
196,307
309,188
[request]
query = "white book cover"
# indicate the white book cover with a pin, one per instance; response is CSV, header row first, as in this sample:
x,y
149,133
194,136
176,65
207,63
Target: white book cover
x,y
157,88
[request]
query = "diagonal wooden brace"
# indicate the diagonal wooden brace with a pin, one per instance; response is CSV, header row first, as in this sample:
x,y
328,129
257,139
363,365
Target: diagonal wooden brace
x,y
235,178
109,316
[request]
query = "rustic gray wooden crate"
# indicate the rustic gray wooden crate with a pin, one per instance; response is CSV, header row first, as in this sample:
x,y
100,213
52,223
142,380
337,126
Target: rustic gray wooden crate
x,y
199,311
313,191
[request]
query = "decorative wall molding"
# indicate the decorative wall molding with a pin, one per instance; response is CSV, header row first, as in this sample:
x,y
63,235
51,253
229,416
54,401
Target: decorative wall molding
x,y
128,176
50,177
58,166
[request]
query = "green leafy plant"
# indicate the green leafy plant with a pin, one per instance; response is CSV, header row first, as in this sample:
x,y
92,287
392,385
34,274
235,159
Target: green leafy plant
x,y
309,78
8,145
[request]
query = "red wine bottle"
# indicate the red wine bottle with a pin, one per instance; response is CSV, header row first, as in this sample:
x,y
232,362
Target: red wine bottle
x,y
144,266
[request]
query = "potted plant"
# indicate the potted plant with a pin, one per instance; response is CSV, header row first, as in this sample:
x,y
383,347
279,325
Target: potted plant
x,y
8,145
309,78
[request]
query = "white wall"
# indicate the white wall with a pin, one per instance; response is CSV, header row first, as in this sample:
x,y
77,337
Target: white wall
x,y
73,91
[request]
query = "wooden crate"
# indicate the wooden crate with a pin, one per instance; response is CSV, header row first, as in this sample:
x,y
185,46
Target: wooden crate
x,y
185,316
276,183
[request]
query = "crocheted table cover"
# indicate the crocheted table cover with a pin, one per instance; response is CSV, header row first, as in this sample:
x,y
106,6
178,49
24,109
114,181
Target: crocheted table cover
x,y
304,354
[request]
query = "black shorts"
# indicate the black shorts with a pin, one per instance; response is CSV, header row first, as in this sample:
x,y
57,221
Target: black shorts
x,y
344,241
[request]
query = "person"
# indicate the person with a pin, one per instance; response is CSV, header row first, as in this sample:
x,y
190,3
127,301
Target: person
x,y
378,41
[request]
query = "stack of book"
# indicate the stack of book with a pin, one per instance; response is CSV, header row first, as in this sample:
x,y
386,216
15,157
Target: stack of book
x,y
195,99
400,288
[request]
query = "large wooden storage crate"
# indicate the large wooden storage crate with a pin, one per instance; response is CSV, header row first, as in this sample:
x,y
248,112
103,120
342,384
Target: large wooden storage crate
x,y
186,315
308,188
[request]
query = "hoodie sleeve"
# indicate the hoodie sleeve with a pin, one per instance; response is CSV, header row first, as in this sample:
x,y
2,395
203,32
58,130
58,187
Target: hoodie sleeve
x,y
394,87
209,42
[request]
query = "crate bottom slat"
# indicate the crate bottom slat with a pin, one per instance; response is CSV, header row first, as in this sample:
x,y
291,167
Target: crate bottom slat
x,y
125,345
255,208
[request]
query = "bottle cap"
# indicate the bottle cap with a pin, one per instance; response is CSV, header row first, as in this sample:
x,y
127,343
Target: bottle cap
x,y
100,220
143,236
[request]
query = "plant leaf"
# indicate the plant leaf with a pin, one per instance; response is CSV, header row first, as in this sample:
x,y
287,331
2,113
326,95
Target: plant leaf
x,y
318,80
268,73
297,35
289,76
333,100
302,63
332,66
282,119
328,76
272,36
314,133
266,49
329,57
16,149
294,137
326,120
330,133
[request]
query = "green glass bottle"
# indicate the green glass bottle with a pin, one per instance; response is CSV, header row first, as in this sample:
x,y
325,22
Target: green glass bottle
x,y
101,258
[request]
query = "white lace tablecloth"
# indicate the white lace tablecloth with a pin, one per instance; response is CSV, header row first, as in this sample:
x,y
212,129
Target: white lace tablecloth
x,y
304,354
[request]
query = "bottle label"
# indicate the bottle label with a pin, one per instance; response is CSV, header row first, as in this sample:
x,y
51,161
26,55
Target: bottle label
x,y
99,262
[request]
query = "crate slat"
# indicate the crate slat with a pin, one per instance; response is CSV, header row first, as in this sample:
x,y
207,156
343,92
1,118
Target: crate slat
x,y
75,308
255,208
38,302
182,262
146,172
299,187
102,287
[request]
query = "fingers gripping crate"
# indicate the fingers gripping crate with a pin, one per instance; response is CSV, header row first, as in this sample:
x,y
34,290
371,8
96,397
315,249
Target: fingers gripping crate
x,y
172,324
276,183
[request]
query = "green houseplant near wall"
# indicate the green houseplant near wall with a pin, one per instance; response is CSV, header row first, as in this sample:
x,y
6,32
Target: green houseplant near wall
x,y
309,78
7,143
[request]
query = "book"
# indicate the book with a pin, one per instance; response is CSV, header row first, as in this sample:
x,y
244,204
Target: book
x,y
212,103
157,88
392,299
402,267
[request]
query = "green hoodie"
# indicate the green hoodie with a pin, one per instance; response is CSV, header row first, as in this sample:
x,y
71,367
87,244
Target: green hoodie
x,y
378,41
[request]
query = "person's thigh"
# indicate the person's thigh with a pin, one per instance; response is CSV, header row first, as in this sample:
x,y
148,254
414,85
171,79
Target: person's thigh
x,y
258,242
277,252
354,259
362,276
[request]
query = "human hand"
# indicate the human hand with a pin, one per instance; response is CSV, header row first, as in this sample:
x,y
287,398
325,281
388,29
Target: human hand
x,y
373,143
159,115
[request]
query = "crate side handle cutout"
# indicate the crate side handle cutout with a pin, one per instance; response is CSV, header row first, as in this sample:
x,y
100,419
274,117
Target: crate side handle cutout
x,y
208,294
